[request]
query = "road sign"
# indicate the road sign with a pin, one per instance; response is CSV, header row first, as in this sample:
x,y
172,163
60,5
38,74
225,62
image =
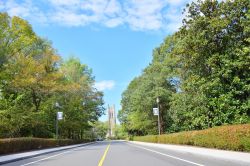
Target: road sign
x,y
155,111
59,115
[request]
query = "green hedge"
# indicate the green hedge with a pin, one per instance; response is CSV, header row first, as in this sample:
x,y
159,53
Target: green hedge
x,y
14,145
234,137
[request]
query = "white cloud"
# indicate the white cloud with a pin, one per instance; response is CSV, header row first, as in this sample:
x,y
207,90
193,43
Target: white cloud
x,y
69,18
144,15
113,22
25,9
113,8
15,9
173,18
175,2
65,2
139,15
105,85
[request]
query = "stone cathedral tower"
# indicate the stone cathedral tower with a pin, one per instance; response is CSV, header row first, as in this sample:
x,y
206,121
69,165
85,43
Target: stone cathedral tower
x,y
111,121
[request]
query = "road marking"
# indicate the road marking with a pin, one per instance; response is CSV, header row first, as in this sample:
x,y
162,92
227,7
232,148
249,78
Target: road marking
x,y
53,156
177,158
104,156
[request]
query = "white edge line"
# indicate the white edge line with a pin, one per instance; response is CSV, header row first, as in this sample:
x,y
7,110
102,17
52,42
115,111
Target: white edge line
x,y
53,156
177,158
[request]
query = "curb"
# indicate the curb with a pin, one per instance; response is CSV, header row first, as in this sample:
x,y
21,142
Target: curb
x,y
35,155
215,153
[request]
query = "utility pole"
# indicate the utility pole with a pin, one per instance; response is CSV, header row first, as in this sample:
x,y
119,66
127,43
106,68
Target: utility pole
x,y
159,123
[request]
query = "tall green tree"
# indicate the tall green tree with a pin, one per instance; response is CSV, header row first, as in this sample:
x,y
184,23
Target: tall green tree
x,y
140,97
200,73
33,78
82,104
214,64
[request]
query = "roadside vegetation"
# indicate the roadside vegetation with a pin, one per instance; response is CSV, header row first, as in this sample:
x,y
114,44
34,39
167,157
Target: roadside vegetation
x,y
33,78
201,75
14,145
233,137
101,130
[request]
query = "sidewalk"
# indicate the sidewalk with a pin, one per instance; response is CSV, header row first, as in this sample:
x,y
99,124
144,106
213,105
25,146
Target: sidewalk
x,y
222,154
20,156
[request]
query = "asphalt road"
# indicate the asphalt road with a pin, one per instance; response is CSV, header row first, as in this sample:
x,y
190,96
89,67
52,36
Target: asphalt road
x,y
121,153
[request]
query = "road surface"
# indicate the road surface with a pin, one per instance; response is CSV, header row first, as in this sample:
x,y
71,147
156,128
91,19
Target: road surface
x,y
122,153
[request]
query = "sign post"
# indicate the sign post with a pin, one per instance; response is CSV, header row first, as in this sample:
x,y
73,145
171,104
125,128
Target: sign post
x,y
59,116
155,111
159,123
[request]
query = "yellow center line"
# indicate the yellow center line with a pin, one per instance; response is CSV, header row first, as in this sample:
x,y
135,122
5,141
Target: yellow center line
x,y
104,155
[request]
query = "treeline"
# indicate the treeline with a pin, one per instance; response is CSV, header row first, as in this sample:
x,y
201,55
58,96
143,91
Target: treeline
x,y
33,78
201,73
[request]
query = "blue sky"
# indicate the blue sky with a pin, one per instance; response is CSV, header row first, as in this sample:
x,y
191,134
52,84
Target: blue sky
x,y
113,37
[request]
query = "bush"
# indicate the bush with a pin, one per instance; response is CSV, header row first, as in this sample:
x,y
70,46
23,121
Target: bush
x,y
234,137
14,145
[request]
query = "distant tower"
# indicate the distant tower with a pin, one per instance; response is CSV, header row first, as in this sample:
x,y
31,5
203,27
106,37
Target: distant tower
x,y
112,121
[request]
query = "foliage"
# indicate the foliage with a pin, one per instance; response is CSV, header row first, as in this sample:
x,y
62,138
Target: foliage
x,y
234,137
120,133
14,145
214,69
200,73
101,129
140,97
33,77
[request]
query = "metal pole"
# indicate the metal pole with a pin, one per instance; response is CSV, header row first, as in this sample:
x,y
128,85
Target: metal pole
x,y
159,124
56,127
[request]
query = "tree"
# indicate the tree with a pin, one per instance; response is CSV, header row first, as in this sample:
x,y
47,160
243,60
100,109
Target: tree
x,y
139,99
200,73
214,70
34,78
82,104
101,129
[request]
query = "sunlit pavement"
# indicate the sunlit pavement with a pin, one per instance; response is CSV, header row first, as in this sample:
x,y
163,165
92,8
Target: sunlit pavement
x,y
123,153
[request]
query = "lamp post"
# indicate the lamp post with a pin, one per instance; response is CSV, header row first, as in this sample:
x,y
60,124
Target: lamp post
x,y
159,123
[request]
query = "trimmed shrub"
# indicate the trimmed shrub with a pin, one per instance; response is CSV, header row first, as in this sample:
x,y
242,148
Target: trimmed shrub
x,y
234,137
14,145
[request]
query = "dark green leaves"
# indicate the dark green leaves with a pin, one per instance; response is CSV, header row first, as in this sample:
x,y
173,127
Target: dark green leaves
x,y
201,73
